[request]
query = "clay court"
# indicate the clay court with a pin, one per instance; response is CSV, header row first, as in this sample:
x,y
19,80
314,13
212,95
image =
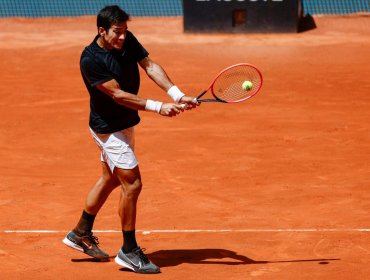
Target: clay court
x,y
272,188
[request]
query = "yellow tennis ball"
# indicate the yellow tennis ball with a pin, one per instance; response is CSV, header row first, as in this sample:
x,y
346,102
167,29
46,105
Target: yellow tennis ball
x,y
247,85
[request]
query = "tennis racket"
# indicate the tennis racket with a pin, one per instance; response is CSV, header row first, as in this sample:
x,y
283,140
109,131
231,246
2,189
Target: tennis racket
x,y
234,84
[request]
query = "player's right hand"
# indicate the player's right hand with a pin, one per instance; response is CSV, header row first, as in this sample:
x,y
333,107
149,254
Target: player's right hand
x,y
189,102
171,109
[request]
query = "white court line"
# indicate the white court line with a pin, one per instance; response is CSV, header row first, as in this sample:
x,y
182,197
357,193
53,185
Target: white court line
x,y
204,230
51,102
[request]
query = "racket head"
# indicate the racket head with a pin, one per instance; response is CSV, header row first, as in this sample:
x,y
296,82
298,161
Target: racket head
x,y
227,85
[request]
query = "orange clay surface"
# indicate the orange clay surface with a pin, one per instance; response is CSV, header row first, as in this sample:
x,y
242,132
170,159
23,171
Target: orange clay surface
x,y
287,173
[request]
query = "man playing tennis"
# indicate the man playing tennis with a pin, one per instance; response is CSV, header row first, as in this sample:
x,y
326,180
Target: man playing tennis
x,y
109,68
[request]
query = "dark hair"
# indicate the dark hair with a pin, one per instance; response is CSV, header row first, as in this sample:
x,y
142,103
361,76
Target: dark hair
x,y
110,15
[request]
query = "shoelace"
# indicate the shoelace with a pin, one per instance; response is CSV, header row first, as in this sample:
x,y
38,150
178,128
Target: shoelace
x,y
141,254
92,238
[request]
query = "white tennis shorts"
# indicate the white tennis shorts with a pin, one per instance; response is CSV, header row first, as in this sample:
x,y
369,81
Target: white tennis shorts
x,y
117,149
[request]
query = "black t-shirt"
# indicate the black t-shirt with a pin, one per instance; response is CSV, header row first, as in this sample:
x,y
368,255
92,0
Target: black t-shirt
x,y
98,66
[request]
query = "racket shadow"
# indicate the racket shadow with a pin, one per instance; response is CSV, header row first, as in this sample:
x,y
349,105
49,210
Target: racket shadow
x,y
168,258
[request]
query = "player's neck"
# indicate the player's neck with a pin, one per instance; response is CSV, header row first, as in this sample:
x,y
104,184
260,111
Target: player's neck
x,y
102,44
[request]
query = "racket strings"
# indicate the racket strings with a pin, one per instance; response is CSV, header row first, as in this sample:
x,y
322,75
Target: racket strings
x,y
229,84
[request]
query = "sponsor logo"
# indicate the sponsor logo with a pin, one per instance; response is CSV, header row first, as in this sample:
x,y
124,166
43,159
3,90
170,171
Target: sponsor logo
x,y
88,246
138,265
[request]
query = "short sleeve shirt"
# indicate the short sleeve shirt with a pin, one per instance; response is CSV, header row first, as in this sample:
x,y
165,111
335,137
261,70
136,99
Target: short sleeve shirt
x,y
98,66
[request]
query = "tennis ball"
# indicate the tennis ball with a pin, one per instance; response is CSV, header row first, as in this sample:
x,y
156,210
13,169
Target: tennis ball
x,y
247,85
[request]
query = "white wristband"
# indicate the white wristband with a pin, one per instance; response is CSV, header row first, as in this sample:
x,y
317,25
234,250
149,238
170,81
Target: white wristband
x,y
153,106
175,93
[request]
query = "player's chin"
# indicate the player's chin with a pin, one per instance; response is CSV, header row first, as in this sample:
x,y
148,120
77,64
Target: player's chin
x,y
118,45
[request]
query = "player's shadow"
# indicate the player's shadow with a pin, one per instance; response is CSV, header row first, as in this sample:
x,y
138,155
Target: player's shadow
x,y
166,258
91,259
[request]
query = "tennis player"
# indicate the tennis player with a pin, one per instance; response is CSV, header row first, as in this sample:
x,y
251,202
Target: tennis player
x,y
109,68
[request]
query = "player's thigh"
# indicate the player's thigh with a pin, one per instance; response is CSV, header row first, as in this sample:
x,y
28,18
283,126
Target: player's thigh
x,y
109,178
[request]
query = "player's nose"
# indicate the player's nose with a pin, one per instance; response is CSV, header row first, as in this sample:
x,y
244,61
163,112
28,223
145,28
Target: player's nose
x,y
122,36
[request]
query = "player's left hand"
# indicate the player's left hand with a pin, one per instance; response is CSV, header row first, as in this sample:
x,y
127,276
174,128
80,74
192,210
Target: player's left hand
x,y
190,102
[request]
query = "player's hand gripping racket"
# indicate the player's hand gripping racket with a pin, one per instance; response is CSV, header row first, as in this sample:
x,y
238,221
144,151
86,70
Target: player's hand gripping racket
x,y
234,84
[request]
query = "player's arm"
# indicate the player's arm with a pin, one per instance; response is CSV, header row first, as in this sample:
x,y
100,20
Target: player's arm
x,y
113,89
134,102
160,77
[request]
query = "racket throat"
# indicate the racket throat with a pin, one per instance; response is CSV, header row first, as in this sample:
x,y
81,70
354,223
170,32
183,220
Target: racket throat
x,y
203,93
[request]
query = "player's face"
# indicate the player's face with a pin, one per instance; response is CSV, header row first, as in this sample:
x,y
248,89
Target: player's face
x,y
115,36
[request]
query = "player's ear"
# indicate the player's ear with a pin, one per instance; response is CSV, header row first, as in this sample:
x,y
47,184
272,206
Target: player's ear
x,y
101,31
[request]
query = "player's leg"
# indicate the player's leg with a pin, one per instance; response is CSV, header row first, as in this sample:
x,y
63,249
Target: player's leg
x,y
101,190
131,187
81,237
131,255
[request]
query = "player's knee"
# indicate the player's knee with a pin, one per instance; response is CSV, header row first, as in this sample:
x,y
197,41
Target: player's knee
x,y
133,190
